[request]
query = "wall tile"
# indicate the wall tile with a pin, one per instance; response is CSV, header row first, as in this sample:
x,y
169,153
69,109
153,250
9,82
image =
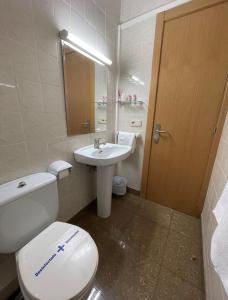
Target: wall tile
x,y
43,126
22,7
46,41
78,6
102,46
135,59
111,7
8,99
131,9
219,178
90,35
50,69
8,88
111,29
100,21
91,12
37,156
77,25
53,98
3,27
214,288
225,157
32,106
43,12
15,162
24,61
30,95
62,15
58,148
11,128
20,28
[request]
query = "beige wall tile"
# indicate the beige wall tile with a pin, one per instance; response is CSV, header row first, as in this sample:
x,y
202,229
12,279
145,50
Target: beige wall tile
x,y
24,61
32,106
14,161
53,98
131,9
11,128
30,95
37,156
78,6
214,288
50,69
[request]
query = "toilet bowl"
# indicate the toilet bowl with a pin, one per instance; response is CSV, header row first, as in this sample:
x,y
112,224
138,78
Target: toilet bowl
x,y
59,263
55,260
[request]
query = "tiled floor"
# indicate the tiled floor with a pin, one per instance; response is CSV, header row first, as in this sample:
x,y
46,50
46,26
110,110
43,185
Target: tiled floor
x,y
146,252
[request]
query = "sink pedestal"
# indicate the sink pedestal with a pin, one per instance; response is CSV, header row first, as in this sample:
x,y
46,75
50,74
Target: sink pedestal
x,y
104,159
104,190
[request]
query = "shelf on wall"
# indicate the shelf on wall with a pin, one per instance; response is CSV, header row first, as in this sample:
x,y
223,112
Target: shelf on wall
x,y
137,102
101,103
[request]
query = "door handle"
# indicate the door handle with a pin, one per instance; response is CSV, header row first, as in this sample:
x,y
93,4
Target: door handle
x,y
157,132
160,131
86,124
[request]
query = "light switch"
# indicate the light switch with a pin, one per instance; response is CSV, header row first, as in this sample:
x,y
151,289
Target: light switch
x,y
136,123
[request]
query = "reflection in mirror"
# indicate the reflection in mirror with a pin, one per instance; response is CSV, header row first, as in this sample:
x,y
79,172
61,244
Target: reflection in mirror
x,y
85,93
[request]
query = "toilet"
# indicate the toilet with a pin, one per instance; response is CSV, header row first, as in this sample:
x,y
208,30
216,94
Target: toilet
x,y
55,260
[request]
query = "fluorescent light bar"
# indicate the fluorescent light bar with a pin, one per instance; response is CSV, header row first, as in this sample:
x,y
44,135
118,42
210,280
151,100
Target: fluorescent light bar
x,y
82,52
83,47
137,80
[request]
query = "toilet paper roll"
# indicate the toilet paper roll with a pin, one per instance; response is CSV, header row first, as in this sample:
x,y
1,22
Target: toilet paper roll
x,y
60,168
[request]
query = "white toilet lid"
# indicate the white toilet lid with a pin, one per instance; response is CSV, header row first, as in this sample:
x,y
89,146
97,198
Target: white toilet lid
x,y
59,263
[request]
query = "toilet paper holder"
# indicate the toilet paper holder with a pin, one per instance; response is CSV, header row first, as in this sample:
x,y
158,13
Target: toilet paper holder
x,y
60,169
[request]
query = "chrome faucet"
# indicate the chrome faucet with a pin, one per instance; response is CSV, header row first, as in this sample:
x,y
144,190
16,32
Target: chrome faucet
x,y
97,143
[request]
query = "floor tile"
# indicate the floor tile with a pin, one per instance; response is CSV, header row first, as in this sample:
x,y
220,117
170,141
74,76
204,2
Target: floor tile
x,y
136,286
186,225
128,279
171,287
148,239
146,251
183,256
155,212
116,263
130,202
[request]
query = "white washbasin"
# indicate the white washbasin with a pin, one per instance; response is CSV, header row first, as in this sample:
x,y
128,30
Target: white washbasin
x,y
105,159
108,154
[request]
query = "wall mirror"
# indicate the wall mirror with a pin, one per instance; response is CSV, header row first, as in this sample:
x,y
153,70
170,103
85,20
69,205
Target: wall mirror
x,y
85,84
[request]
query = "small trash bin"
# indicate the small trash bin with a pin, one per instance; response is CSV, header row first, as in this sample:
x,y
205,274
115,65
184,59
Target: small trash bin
x,y
119,185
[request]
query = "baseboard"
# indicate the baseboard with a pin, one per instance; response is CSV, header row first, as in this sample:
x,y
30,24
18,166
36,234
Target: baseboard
x,y
133,191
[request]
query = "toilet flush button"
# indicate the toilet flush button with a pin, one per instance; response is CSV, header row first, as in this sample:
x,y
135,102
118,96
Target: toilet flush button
x,y
21,184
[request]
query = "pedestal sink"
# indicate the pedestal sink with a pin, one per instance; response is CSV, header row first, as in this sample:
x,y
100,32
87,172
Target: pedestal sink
x,y
104,158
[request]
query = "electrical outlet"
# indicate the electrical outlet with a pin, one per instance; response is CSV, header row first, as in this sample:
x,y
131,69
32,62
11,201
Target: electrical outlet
x,y
102,121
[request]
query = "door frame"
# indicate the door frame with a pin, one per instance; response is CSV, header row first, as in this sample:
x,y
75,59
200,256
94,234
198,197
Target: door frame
x,y
162,18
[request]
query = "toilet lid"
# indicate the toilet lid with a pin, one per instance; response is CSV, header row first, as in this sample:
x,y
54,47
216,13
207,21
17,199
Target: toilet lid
x,y
59,263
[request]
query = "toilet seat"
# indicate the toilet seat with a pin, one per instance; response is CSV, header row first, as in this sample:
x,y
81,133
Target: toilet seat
x,y
60,263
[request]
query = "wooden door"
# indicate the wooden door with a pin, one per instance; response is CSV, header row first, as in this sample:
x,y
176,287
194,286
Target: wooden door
x,y
187,93
79,77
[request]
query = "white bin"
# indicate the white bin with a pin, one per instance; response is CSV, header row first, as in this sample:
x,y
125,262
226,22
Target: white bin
x,y
119,185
